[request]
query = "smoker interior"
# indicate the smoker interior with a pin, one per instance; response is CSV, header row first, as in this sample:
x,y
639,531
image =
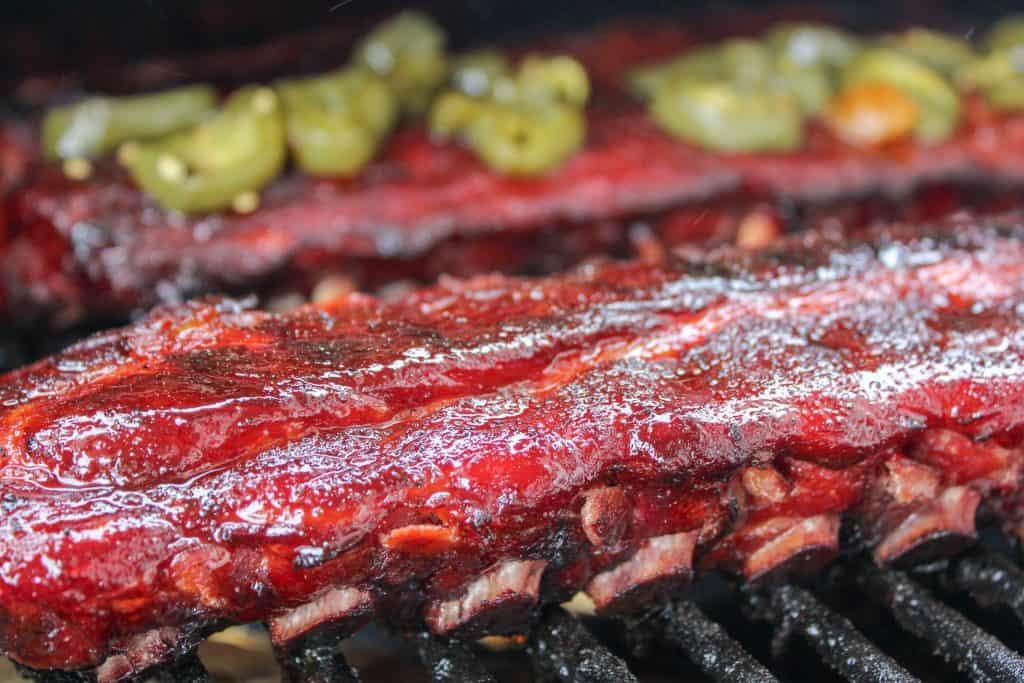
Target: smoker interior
x,y
961,619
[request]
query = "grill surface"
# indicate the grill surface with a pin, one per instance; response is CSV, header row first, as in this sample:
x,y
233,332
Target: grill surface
x,y
955,620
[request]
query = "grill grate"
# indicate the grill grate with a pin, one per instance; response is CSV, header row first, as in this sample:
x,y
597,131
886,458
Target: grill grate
x,y
315,659
707,644
991,579
187,669
565,648
979,655
796,611
450,661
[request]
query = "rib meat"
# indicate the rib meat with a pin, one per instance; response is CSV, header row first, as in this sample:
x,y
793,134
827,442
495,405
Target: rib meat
x,y
102,249
476,448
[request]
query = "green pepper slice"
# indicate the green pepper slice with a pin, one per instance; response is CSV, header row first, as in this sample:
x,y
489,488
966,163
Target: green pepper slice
x,y
336,122
553,79
97,125
745,61
1006,95
475,73
810,84
527,123
939,102
813,44
238,151
453,112
704,64
942,52
526,140
999,77
742,60
409,53
721,116
1006,34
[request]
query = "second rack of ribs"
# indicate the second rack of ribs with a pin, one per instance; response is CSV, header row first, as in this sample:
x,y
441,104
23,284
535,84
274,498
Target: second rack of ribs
x,y
476,449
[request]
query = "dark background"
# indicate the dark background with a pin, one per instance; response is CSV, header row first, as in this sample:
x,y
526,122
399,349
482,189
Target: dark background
x,y
57,36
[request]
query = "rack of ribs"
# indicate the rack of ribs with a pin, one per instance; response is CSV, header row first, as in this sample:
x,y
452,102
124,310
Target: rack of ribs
x,y
100,248
474,450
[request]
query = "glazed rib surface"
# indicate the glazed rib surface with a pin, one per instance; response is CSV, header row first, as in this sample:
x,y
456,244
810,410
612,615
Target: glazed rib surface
x,y
78,250
596,429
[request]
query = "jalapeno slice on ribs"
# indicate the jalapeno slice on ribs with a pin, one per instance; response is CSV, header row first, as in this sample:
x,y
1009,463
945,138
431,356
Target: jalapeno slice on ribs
x,y
97,125
221,162
409,53
524,123
475,73
813,44
722,116
810,84
1005,34
647,81
560,80
940,51
336,122
520,139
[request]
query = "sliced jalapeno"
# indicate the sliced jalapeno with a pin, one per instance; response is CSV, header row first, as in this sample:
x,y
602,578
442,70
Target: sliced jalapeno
x,y
527,123
809,44
999,77
1006,34
705,64
721,116
97,125
745,61
475,73
740,60
1006,95
234,153
409,53
553,79
939,103
526,140
942,52
453,112
336,122
809,84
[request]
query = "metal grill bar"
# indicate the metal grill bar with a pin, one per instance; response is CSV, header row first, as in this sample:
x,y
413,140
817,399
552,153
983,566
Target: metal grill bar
x,y
710,647
980,656
53,676
796,611
991,579
315,659
185,669
564,650
450,661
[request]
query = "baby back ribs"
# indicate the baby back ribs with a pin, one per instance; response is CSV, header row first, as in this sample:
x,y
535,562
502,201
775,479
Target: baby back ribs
x,y
475,449
102,248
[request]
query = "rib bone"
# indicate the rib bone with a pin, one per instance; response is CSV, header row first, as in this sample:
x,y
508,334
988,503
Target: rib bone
x,y
661,563
493,603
